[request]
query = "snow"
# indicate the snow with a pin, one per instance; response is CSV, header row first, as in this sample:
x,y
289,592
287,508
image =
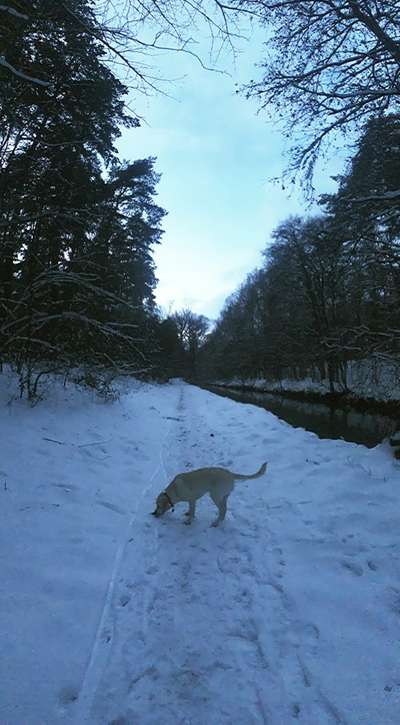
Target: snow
x,y
370,379
288,612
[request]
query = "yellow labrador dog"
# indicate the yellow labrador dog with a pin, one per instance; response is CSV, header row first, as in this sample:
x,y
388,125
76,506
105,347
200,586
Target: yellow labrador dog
x,y
218,482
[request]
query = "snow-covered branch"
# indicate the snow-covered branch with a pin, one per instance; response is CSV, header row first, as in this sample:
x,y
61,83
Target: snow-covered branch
x,y
386,196
20,74
13,11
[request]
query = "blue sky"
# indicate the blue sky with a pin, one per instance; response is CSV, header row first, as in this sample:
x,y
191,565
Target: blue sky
x,y
216,157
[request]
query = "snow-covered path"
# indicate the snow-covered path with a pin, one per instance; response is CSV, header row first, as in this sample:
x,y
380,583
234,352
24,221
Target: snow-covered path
x,y
191,619
287,613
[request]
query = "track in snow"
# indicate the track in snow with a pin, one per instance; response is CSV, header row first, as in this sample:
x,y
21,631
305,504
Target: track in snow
x,y
200,629
104,638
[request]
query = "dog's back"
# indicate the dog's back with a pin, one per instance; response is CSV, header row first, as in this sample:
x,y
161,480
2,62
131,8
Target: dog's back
x,y
204,480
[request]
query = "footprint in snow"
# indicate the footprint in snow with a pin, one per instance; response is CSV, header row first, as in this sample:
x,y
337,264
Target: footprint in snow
x,y
42,452
295,710
127,719
66,487
106,636
152,569
311,631
111,506
355,569
278,553
304,631
67,695
393,597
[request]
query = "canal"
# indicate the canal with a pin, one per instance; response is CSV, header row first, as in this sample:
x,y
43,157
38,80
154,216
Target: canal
x,y
326,420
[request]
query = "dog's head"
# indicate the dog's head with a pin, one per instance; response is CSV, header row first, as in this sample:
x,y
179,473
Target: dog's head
x,y
163,504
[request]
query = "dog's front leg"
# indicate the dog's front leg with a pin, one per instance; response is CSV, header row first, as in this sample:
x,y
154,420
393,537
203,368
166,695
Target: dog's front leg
x,y
190,513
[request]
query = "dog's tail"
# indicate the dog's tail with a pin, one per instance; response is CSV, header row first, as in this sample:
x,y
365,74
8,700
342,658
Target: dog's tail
x,y
244,477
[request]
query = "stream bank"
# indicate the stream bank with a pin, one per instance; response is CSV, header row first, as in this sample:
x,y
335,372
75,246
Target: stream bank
x,y
329,415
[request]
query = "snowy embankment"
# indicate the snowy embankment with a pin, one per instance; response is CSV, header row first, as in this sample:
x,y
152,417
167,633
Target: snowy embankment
x,y
365,380
289,612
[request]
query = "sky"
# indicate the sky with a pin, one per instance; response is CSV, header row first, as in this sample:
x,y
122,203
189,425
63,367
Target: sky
x,y
217,157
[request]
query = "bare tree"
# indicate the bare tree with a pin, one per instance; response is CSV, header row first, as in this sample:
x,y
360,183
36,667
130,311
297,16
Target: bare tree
x,y
192,330
329,65
132,33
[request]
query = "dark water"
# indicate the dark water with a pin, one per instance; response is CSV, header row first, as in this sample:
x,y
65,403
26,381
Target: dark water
x,y
324,420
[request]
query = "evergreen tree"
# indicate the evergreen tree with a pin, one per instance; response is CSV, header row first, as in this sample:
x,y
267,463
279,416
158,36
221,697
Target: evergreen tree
x,y
76,226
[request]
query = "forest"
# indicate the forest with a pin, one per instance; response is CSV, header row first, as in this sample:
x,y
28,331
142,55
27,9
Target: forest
x,y
329,291
78,225
173,556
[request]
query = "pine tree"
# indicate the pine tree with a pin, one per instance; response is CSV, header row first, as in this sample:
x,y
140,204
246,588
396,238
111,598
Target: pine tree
x,y
76,226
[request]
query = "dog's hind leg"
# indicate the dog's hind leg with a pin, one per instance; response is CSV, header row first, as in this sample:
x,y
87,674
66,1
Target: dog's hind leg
x,y
221,505
191,512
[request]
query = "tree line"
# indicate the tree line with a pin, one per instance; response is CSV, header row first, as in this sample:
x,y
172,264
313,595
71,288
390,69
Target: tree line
x,y
329,290
78,225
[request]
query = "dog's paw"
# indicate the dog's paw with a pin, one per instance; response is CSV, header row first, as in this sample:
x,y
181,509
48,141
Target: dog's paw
x,y
187,522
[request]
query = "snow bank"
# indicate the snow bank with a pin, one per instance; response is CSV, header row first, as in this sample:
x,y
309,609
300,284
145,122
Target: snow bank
x,y
289,612
366,379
